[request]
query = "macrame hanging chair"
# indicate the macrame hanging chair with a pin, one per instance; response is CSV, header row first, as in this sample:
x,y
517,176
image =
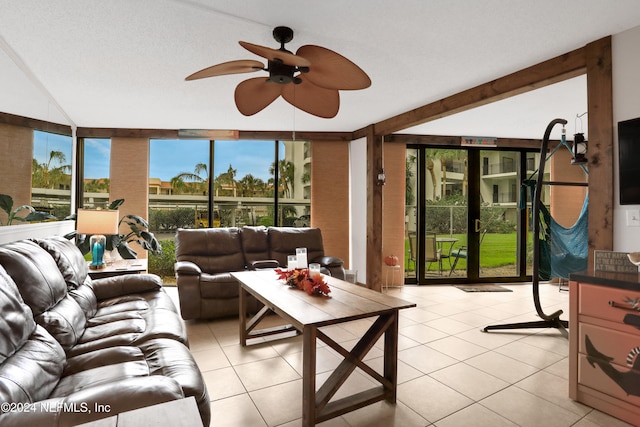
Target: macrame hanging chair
x,y
563,250
567,249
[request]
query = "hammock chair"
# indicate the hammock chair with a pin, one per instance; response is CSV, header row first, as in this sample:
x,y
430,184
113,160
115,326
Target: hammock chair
x,y
557,251
563,250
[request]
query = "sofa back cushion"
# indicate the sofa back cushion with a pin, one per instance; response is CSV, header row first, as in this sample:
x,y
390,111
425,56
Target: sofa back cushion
x,y
35,273
44,289
214,250
283,241
31,361
68,257
255,243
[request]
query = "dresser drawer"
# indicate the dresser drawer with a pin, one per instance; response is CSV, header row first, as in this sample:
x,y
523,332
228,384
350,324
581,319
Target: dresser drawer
x,y
622,347
610,304
608,379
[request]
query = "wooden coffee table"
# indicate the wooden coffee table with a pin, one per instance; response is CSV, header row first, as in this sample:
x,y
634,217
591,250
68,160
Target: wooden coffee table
x,y
307,314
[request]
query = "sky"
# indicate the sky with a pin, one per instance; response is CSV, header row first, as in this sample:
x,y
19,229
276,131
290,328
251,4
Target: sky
x,y
167,158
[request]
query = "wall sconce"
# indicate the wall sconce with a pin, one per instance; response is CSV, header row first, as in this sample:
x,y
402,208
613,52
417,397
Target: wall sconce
x,y
579,149
382,178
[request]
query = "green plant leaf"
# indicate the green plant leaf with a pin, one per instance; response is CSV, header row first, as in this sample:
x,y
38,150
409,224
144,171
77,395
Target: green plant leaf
x,y
39,216
6,203
115,204
134,221
126,252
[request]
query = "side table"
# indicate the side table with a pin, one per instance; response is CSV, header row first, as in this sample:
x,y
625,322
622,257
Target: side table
x,y
120,267
391,269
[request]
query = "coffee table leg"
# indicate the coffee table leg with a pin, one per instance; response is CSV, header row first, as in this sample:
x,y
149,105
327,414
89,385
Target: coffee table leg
x,y
309,336
243,316
391,358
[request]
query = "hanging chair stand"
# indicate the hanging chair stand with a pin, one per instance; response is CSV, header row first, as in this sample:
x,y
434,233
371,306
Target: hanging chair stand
x,y
548,320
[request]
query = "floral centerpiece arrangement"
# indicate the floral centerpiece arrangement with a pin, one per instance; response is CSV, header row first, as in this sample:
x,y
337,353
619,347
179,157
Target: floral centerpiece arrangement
x,y
301,278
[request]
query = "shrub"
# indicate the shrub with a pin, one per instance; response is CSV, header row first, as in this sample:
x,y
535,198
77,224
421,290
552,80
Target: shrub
x,y
162,264
171,219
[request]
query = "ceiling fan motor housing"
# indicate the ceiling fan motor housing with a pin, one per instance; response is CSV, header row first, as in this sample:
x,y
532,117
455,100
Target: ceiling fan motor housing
x,y
282,73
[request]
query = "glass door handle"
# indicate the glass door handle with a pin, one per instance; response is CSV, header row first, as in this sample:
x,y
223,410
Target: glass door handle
x,y
477,226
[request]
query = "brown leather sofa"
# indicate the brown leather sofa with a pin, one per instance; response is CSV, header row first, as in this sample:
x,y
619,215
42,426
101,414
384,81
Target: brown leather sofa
x,y
206,257
69,343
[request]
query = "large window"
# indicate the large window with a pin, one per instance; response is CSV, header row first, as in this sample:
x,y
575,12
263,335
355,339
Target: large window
x,y
250,183
96,162
179,174
51,174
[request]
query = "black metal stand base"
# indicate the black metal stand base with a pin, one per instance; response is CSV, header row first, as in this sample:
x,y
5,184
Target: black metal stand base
x,y
561,325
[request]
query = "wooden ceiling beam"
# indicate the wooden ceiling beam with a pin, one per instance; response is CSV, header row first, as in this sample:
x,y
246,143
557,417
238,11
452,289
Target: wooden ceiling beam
x,y
242,135
35,124
455,141
563,67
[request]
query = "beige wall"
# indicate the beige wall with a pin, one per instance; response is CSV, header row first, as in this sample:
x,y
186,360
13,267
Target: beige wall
x,y
330,196
16,146
393,201
129,176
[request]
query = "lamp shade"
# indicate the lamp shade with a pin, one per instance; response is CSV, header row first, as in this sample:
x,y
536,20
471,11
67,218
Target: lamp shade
x,y
97,221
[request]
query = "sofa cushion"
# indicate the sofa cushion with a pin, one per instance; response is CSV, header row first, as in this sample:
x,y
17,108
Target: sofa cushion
x,y
86,299
31,361
68,257
17,321
255,243
33,370
44,289
285,240
34,271
214,250
221,286
65,321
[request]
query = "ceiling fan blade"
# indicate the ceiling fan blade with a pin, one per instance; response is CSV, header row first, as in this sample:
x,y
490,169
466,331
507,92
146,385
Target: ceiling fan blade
x,y
331,70
274,54
255,94
231,67
316,100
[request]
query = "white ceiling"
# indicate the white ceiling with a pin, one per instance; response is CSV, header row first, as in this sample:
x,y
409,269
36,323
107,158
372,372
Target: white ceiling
x,y
122,63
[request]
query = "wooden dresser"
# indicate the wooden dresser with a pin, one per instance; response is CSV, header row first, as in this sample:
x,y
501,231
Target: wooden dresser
x,y
604,342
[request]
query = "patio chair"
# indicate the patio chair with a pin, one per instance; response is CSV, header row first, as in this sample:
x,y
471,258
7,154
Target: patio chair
x,y
432,252
462,252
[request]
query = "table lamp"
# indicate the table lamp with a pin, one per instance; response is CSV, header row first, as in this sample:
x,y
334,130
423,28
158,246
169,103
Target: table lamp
x,y
97,223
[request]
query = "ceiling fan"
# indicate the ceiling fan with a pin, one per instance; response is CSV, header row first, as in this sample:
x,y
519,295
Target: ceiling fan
x,y
308,80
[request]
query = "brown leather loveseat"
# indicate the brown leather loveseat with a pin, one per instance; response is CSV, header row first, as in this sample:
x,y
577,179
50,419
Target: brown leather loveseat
x,y
206,257
70,344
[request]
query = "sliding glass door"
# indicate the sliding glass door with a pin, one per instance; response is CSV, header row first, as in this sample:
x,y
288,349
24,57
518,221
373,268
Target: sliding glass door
x,y
464,222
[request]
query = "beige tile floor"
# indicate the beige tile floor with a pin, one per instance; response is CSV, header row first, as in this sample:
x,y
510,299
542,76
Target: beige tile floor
x,y
450,373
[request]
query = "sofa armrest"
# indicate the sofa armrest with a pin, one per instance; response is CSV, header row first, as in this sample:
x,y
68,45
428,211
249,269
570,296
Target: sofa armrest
x,y
110,287
330,261
187,268
333,265
93,403
264,264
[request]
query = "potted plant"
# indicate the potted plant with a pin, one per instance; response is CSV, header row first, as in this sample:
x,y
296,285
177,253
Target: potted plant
x,y
138,232
6,203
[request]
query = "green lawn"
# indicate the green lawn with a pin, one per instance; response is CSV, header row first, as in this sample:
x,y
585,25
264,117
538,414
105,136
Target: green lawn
x,y
496,250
